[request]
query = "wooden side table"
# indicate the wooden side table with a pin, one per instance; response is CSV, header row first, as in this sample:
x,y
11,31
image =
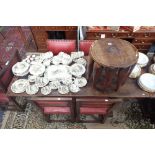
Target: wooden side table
x,y
113,61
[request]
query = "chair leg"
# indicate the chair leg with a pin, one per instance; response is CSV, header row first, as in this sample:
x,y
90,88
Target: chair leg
x,y
47,117
78,112
101,118
19,107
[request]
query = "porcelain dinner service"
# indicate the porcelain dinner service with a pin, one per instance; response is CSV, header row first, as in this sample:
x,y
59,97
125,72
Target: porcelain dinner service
x,y
45,72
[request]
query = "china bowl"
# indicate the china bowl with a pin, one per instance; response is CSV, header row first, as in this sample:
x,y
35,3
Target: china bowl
x,y
147,82
80,82
32,89
41,81
135,72
63,89
74,88
46,90
54,84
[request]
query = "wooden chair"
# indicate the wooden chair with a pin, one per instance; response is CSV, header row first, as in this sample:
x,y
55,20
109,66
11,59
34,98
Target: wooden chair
x,y
57,46
98,109
58,105
6,76
84,45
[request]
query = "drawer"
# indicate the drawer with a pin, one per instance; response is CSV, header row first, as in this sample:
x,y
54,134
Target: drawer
x,y
145,35
144,40
95,35
142,46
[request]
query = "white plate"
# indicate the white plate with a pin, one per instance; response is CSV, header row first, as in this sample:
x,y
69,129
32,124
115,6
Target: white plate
x,y
76,55
46,90
74,88
19,86
56,60
37,69
41,81
32,89
20,68
142,59
80,82
135,72
77,70
147,82
57,72
63,89
65,58
54,84
81,61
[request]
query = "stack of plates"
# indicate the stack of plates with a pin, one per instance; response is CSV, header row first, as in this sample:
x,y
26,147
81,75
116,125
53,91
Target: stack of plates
x,y
152,69
142,60
135,72
20,69
147,82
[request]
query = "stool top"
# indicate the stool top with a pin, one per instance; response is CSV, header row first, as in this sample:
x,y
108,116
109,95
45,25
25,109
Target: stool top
x,y
115,53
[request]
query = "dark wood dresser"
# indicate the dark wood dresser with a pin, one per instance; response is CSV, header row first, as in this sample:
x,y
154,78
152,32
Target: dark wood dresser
x,y
41,34
141,39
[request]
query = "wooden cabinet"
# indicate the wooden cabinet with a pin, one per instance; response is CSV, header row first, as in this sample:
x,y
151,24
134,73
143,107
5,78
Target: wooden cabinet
x,y
40,34
141,39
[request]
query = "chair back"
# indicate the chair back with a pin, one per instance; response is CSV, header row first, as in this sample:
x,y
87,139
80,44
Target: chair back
x,y
6,74
84,45
57,46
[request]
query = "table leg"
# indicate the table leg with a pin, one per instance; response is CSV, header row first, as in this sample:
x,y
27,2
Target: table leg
x,y
73,109
96,73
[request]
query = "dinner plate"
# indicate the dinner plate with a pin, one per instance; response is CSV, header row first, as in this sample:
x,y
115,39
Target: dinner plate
x,y
63,89
46,90
80,82
32,89
20,68
19,86
135,72
142,59
37,69
147,82
77,70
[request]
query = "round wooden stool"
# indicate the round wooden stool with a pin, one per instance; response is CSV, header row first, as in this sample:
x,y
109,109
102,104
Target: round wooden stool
x,y
113,61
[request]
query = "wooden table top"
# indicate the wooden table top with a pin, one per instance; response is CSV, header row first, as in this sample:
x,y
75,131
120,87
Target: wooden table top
x,y
129,90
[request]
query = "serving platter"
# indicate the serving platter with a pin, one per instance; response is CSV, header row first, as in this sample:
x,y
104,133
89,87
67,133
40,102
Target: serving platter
x,y
19,86
59,72
147,82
